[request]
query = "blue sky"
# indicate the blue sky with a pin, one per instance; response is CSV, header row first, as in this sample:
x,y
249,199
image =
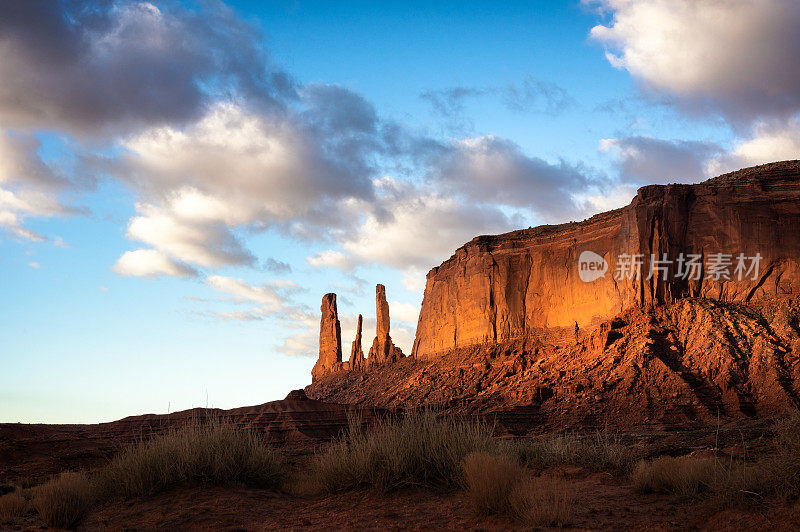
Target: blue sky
x,y
180,183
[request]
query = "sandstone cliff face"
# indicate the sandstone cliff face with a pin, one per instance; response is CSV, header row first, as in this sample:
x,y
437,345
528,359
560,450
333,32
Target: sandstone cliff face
x,y
508,287
330,339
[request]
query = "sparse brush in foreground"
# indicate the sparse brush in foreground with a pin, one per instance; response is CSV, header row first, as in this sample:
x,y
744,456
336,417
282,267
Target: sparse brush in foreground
x,y
489,481
12,506
730,482
64,501
774,476
213,452
418,449
497,484
599,452
542,501
684,475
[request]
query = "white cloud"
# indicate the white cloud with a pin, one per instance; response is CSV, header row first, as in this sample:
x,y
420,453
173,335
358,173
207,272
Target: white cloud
x,y
265,295
230,171
404,312
28,187
198,240
273,302
150,263
734,56
770,142
331,258
414,279
647,160
419,227
106,67
34,265
494,170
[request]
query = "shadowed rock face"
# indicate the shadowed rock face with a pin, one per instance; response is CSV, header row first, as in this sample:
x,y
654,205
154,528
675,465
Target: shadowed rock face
x,y
383,350
357,361
330,339
507,287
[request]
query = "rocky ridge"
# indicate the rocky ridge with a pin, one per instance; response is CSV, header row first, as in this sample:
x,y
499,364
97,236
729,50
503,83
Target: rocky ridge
x,y
511,323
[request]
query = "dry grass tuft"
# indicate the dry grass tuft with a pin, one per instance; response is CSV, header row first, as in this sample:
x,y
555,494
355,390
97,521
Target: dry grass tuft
x,y
542,502
416,450
497,484
684,475
63,501
12,506
489,481
775,476
600,452
215,453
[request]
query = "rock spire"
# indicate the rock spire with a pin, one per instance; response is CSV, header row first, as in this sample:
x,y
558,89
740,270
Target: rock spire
x,y
330,339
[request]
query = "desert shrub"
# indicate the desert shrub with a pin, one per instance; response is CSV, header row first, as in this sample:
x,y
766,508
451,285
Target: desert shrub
x,y
773,476
489,481
684,475
600,452
787,434
498,484
417,449
12,506
63,501
214,452
542,502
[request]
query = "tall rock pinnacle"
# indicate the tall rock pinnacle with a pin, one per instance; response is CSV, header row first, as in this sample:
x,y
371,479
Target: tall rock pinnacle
x,y
330,339
383,350
357,361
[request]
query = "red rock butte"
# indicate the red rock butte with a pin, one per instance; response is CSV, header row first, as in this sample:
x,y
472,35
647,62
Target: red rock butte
x,y
556,319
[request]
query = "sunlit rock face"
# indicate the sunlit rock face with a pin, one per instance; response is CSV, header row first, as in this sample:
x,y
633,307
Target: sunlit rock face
x,y
538,327
357,361
383,350
506,287
330,339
